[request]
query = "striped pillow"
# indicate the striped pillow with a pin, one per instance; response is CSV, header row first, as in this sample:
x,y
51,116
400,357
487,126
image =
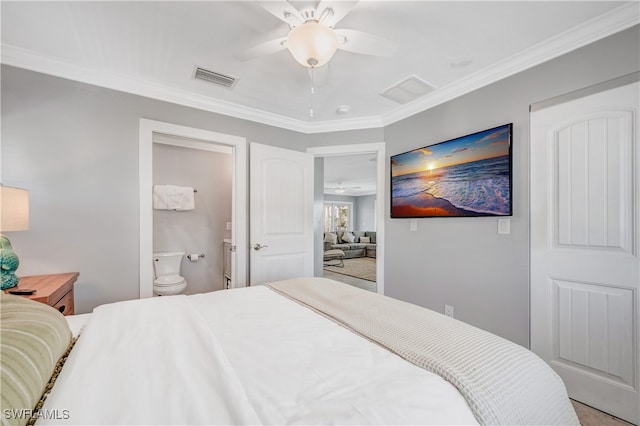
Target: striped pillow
x,y
33,336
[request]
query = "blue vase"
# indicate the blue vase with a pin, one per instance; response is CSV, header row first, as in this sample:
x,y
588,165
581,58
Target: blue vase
x,y
8,264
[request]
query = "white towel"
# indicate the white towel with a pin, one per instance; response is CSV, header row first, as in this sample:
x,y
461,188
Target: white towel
x,y
171,197
183,198
160,197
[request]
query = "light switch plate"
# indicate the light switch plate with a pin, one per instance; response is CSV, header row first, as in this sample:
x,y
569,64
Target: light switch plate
x,y
504,226
413,224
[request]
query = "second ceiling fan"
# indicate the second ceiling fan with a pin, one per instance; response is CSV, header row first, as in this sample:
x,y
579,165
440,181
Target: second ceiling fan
x,y
341,189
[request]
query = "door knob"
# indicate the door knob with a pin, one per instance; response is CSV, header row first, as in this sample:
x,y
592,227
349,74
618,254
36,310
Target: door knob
x,y
258,247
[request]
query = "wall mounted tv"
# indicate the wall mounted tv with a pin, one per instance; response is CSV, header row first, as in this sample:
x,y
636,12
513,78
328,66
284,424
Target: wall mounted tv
x,y
467,176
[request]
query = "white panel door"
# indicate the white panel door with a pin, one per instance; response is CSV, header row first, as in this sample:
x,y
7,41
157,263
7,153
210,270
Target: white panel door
x,y
584,247
281,214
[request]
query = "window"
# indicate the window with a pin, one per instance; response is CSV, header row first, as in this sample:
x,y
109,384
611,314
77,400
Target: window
x,y
338,216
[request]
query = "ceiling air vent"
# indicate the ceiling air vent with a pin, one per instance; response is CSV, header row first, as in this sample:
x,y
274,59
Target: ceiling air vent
x,y
215,77
407,90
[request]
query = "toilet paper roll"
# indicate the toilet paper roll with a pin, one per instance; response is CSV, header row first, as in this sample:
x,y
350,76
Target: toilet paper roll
x,y
193,257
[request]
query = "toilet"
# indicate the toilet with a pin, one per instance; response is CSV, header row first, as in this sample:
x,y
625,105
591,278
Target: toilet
x,y
166,265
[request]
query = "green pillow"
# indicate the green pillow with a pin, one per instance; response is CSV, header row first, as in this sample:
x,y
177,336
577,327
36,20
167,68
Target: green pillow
x,y
33,337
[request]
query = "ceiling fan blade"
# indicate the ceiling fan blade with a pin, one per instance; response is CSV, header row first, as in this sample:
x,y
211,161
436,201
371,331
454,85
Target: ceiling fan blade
x,y
284,11
364,43
331,12
340,186
263,49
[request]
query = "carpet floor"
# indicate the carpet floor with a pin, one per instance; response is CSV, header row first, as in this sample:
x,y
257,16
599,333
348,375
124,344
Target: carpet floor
x,y
359,267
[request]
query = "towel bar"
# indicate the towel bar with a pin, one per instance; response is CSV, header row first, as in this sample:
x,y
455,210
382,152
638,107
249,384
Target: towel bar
x,y
195,190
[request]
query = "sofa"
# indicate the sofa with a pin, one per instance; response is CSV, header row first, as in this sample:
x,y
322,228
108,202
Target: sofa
x,y
359,247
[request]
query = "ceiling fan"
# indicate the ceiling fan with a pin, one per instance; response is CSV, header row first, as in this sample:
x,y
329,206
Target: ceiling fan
x,y
312,38
340,189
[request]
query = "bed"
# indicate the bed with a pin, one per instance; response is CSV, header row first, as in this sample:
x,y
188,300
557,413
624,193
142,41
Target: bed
x,y
300,351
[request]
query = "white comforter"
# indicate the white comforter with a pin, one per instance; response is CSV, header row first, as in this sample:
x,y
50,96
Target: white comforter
x,y
243,356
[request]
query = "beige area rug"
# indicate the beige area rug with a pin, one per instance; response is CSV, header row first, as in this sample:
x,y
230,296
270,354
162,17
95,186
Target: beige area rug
x,y
359,267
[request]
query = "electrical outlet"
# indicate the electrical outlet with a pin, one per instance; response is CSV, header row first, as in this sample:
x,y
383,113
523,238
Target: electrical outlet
x,y
448,310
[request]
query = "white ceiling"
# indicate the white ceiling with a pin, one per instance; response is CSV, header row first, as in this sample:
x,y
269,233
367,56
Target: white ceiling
x,y
152,47
355,173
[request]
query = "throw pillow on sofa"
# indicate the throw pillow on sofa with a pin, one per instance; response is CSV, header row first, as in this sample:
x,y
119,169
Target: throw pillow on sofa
x,y
365,240
358,235
348,237
372,235
331,238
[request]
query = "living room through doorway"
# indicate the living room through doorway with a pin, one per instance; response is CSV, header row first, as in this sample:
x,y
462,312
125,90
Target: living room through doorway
x,y
349,217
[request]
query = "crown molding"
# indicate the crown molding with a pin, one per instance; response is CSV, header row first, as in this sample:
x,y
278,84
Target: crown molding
x,y
26,59
614,21
607,24
344,124
23,58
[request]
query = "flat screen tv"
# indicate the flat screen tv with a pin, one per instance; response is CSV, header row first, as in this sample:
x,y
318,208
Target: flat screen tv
x,y
466,176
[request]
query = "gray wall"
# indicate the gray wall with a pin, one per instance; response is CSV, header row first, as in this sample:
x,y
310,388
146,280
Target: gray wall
x,y
75,147
463,261
347,137
203,229
365,211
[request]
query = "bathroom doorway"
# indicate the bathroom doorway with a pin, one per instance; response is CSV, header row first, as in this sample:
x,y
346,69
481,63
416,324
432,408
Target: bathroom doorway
x,y
174,144
207,169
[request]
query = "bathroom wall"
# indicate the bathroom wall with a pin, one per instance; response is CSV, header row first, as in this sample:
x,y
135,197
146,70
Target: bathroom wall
x,y
200,230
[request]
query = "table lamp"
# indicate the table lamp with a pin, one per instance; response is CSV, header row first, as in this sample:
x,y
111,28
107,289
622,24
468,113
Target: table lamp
x,y
14,216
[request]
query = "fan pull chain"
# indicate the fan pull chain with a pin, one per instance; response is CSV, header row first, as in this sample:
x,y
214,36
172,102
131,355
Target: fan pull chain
x,y
313,91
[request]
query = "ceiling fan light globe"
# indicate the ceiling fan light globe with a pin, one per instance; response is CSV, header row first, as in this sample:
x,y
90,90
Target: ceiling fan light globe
x,y
312,44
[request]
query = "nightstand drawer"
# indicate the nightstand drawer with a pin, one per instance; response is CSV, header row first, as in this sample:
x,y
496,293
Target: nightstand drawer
x,y
65,305
55,290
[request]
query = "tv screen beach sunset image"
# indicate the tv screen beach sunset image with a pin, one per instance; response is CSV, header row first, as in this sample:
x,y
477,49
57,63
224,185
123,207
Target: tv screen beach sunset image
x,y
467,176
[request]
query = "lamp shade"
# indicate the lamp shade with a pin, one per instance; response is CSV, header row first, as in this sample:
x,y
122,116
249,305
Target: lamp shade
x,y
14,208
312,44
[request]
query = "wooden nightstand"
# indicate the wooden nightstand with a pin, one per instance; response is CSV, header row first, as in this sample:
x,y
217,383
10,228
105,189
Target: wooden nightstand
x,y
55,290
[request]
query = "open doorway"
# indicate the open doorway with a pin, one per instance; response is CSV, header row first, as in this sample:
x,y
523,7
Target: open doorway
x,y
349,214
149,129
349,207
197,233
